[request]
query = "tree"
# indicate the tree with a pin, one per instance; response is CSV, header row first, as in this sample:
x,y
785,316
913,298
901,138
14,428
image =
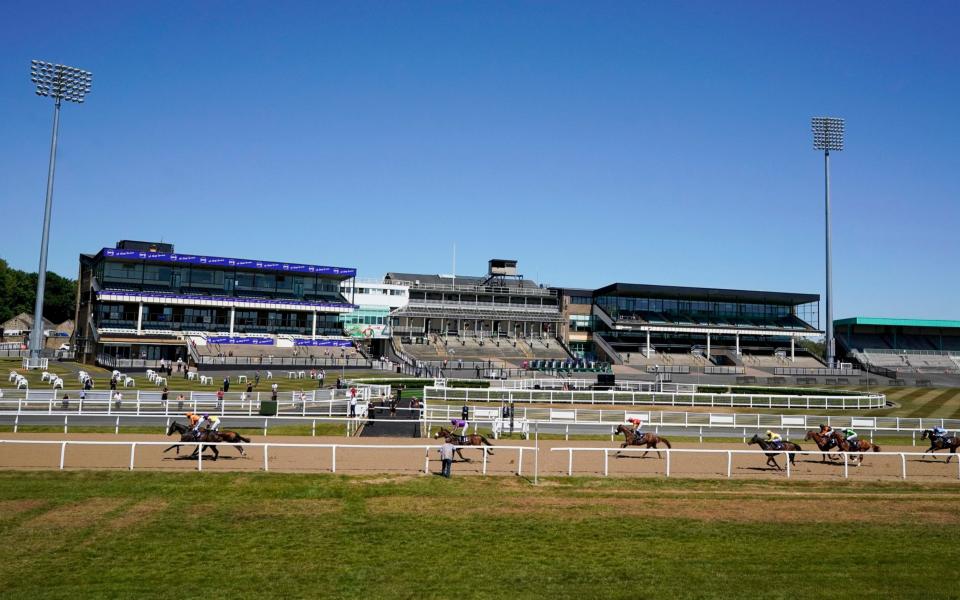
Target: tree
x,y
18,292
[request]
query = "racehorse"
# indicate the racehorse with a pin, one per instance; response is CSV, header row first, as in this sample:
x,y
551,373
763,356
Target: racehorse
x,y
650,440
788,448
861,447
473,439
952,443
187,437
825,443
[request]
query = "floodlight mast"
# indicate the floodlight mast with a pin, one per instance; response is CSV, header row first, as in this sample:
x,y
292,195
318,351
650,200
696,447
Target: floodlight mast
x,y
827,136
59,82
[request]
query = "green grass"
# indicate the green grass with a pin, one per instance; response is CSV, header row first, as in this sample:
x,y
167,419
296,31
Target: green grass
x,y
157,535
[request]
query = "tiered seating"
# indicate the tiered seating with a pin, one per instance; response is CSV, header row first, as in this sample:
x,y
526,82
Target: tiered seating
x,y
250,350
435,348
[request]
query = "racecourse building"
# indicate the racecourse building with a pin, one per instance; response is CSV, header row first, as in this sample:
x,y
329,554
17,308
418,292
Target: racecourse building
x,y
892,346
144,300
499,315
656,324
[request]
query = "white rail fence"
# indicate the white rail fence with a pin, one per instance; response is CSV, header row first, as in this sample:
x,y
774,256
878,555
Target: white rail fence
x,y
63,444
804,402
848,457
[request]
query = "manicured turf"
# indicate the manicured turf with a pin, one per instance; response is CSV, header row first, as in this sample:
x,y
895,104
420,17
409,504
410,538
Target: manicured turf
x,y
162,535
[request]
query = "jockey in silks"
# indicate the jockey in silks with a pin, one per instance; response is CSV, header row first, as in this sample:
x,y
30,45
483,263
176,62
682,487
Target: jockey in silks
x,y
637,423
827,433
462,424
852,439
775,439
194,423
939,435
211,422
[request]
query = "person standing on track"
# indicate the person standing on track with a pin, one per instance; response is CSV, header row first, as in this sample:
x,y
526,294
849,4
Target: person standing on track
x,y
446,459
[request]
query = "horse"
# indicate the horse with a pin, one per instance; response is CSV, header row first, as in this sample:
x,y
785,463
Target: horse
x,y
631,438
788,448
824,442
861,447
187,437
951,442
473,439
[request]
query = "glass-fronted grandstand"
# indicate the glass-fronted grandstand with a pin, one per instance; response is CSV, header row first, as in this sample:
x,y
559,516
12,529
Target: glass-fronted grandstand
x,y
891,346
144,300
656,324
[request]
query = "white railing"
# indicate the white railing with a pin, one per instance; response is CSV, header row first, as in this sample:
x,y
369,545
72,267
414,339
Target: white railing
x,y
63,444
579,421
847,457
805,402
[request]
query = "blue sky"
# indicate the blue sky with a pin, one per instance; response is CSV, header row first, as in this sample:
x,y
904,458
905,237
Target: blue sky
x,y
663,143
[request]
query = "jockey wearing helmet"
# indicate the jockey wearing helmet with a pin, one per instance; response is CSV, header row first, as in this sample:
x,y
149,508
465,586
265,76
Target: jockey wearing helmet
x,y
211,422
826,430
637,423
775,439
939,434
852,439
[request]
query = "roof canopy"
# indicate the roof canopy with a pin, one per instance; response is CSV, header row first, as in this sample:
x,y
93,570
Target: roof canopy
x,y
673,292
887,322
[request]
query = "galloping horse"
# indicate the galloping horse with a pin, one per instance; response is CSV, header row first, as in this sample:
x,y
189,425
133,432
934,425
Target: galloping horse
x,y
951,442
473,439
650,440
788,448
187,437
825,443
861,446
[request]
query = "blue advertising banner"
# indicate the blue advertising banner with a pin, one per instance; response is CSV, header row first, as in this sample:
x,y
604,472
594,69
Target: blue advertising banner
x,y
218,261
327,343
226,339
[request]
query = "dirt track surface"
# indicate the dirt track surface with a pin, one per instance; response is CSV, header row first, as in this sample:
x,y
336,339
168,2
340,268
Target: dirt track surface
x,y
502,462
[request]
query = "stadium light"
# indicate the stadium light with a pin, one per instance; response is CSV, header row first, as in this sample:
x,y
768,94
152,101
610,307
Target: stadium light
x,y
827,136
59,82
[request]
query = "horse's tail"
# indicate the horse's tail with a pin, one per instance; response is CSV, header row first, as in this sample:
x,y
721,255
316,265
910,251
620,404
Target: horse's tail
x,y
666,442
485,440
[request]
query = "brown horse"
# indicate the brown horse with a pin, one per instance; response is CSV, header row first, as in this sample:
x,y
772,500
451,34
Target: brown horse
x,y
650,440
473,439
949,443
825,443
860,447
187,437
788,448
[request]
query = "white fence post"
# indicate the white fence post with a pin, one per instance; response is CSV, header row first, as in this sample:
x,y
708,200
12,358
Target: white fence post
x,y
729,463
846,466
63,452
668,463
116,429
903,466
266,454
133,449
569,462
333,459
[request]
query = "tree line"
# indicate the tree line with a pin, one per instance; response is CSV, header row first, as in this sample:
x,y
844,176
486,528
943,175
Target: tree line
x,y
18,292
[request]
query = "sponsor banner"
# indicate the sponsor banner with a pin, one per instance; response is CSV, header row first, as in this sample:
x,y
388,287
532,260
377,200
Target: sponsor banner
x,y
226,339
219,261
359,330
327,343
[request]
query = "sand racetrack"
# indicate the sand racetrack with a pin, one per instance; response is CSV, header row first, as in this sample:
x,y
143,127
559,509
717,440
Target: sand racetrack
x,y
14,455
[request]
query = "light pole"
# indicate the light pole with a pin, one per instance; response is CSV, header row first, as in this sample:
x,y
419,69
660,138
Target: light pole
x,y
59,82
827,136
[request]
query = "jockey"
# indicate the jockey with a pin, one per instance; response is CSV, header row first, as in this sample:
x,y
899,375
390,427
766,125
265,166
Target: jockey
x,y
826,430
211,422
637,423
852,439
462,424
194,423
939,434
775,439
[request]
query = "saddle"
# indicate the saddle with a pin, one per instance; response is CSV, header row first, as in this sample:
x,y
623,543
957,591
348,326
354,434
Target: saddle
x,y
462,440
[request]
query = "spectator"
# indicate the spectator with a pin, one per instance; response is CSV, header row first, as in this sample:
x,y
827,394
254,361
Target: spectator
x,y
113,384
180,400
353,406
249,388
220,400
117,399
164,395
226,384
256,378
446,459
273,392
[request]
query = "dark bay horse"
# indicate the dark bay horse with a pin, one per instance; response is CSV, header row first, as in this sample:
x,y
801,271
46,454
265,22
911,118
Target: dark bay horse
x,y
473,439
788,448
949,443
860,447
825,443
650,440
187,437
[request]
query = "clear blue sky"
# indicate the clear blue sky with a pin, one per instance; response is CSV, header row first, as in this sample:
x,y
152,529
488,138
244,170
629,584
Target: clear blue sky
x,y
648,142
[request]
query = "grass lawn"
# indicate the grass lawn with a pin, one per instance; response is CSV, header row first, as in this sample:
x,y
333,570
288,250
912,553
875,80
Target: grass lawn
x,y
155,535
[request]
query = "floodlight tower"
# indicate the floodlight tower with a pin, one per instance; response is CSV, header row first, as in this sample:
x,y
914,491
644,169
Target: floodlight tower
x,y
59,82
827,136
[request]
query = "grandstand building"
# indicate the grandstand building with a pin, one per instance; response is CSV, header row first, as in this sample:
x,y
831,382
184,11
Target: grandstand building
x,y
661,325
500,315
144,300
892,346
369,324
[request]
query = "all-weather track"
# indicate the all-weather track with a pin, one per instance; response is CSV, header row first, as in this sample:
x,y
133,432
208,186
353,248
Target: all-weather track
x,y
503,461
382,423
